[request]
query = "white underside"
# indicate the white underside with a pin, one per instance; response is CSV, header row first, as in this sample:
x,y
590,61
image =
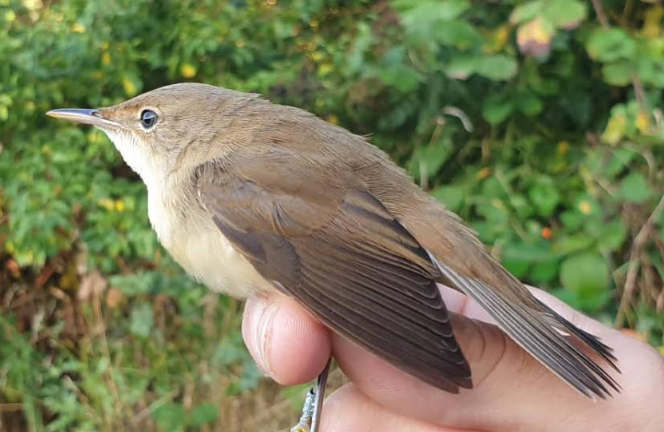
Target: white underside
x,y
195,242
203,251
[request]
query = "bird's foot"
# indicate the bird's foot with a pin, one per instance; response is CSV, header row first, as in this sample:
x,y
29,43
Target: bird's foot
x,y
313,405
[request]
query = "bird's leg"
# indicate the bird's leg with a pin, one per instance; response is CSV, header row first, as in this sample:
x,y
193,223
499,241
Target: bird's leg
x,y
313,404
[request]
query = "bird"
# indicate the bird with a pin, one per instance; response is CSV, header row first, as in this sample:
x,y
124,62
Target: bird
x,y
251,197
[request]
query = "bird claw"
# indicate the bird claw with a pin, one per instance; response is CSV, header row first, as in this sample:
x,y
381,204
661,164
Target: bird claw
x,y
301,428
313,405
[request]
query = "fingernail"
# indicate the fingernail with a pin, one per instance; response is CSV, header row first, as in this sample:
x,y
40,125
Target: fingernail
x,y
261,312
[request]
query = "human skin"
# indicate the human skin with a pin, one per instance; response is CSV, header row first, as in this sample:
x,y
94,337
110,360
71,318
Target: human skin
x,y
512,391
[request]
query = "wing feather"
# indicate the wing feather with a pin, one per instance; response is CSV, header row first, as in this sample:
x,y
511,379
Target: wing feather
x,y
346,259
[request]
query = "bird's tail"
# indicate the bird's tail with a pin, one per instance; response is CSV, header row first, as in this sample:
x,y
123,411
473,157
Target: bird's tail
x,y
543,333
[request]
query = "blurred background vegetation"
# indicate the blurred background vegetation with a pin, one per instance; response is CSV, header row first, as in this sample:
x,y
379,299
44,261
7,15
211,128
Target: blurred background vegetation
x,y
539,122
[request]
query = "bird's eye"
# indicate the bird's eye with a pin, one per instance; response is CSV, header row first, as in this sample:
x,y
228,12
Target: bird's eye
x,y
148,119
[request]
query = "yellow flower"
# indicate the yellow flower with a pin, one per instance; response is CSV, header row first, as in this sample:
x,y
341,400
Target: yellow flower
x,y
10,16
643,122
106,58
585,207
129,87
187,70
106,203
78,28
325,69
615,129
316,56
120,205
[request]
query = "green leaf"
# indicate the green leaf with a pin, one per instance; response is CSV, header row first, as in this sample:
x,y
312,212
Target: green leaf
x,y
620,159
170,417
634,188
428,160
651,70
585,272
564,13
497,108
611,235
528,103
229,351
461,67
419,12
458,34
609,45
399,76
497,67
591,301
544,195
450,196
618,73
202,414
519,268
530,252
141,320
250,378
571,219
526,11
544,272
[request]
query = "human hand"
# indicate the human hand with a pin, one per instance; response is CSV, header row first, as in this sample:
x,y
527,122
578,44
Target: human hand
x,y
512,391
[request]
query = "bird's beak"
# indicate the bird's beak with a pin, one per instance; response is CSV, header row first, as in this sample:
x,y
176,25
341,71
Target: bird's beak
x,y
84,116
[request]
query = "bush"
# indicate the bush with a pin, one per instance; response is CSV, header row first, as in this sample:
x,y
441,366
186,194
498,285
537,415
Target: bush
x,y
539,122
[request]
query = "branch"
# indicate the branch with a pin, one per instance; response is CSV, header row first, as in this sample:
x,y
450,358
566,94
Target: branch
x,y
640,242
601,15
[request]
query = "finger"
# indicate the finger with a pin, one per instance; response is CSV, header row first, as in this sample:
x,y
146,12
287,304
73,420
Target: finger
x,y
349,410
510,387
512,391
284,340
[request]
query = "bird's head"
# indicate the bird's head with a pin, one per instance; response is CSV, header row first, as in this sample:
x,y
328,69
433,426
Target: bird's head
x,y
169,128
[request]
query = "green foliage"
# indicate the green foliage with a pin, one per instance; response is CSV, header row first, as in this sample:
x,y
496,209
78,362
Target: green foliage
x,y
539,122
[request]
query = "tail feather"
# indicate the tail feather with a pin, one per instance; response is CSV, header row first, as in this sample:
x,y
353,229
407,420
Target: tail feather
x,y
592,341
539,333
